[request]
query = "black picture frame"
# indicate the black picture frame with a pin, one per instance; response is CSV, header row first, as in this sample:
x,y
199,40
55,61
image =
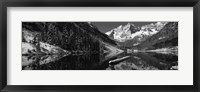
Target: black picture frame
x,y
98,3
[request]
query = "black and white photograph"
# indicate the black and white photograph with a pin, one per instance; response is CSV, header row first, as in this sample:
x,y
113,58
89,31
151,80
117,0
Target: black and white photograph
x,y
94,45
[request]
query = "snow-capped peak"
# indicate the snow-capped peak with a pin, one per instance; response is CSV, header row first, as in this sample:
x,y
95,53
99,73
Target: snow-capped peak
x,y
109,32
130,31
129,25
120,26
122,33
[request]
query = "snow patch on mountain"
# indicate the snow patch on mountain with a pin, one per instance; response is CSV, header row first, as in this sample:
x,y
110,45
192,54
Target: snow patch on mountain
x,y
41,48
123,33
130,31
51,49
109,32
28,48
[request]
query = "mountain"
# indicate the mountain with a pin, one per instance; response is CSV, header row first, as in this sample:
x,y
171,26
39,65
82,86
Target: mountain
x,y
167,37
61,37
130,35
123,33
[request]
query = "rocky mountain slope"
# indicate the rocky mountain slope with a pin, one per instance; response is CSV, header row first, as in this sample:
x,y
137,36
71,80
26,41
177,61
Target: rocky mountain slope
x,y
131,35
123,33
166,37
68,36
50,41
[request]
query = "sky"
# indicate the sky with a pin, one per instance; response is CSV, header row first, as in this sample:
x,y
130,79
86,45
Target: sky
x,y
107,26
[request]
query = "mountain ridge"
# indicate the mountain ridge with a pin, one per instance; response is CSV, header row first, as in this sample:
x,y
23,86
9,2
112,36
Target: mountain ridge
x,y
69,36
167,37
130,35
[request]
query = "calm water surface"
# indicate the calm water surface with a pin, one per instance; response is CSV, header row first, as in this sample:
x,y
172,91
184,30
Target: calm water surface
x,y
133,61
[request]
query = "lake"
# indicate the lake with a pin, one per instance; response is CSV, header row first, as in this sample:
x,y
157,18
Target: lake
x,y
95,61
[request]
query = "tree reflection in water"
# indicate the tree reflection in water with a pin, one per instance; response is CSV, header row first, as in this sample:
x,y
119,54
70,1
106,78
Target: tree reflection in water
x,y
95,61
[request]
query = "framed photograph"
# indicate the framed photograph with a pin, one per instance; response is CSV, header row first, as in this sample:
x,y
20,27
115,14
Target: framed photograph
x,y
86,45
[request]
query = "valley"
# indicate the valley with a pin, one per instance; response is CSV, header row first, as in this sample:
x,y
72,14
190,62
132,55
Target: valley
x,y
82,46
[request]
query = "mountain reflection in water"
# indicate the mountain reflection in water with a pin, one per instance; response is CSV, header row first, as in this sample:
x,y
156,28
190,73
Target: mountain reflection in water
x,y
135,61
147,61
